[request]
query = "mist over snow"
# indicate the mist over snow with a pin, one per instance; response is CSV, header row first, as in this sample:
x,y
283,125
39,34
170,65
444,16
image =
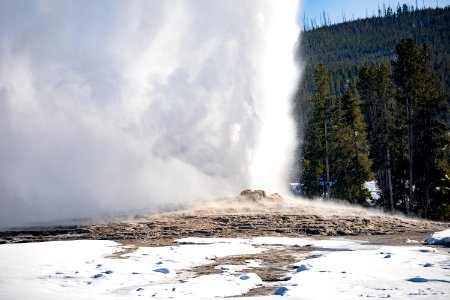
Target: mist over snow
x,y
114,107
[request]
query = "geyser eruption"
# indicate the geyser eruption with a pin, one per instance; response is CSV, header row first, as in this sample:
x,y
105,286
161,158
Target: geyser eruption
x,y
276,138
114,107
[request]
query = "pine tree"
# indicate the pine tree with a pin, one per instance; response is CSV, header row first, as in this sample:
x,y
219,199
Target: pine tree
x,y
431,138
366,88
344,47
358,170
406,75
313,165
316,148
340,152
377,97
422,97
383,145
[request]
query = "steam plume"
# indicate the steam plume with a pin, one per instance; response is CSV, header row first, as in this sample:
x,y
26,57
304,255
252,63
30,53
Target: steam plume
x,y
112,107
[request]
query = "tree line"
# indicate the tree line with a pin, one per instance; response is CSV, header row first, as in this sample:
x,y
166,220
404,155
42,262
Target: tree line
x,y
344,47
382,11
393,128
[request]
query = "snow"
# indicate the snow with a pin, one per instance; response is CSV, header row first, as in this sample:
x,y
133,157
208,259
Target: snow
x,y
83,269
373,273
374,191
336,269
439,238
275,241
301,242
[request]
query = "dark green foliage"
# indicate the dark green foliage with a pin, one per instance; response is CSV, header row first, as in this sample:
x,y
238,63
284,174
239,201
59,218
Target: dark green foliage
x,y
335,147
421,96
314,146
397,125
340,149
379,110
358,168
345,47
430,140
410,85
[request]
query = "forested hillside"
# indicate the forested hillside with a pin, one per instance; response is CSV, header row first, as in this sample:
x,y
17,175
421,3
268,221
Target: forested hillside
x,y
345,47
374,105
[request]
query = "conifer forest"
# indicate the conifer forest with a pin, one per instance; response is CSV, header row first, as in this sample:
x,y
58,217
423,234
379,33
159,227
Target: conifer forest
x,y
373,104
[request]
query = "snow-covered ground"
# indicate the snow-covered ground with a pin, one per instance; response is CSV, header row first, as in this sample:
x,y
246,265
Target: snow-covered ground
x,y
336,269
439,238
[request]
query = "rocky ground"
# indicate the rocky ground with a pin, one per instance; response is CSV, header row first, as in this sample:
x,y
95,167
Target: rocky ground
x,y
245,216
250,215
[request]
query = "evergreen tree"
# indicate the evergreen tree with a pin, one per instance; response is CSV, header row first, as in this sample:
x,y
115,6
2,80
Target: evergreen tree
x,y
358,170
407,77
335,147
366,89
384,143
378,108
340,152
316,152
422,97
345,46
431,138
406,112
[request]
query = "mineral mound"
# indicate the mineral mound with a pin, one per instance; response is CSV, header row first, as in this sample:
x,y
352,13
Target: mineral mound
x,y
253,213
257,195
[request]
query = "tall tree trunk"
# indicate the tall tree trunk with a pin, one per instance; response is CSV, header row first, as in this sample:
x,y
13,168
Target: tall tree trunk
x,y
380,180
410,155
389,179
356,153
427,181
327,165
403,192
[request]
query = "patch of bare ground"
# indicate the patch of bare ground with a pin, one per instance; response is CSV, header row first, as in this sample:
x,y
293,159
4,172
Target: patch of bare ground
x,y
272,267
247,217
244,219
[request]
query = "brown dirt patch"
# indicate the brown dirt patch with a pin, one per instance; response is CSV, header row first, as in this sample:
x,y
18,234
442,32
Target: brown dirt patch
x,y
287,218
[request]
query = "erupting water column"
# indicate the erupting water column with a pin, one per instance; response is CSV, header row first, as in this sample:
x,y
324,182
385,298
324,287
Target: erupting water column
x,y
276,141
133,107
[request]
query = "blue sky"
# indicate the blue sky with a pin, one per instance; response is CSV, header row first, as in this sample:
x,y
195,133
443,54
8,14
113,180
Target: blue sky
x,y
355,8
